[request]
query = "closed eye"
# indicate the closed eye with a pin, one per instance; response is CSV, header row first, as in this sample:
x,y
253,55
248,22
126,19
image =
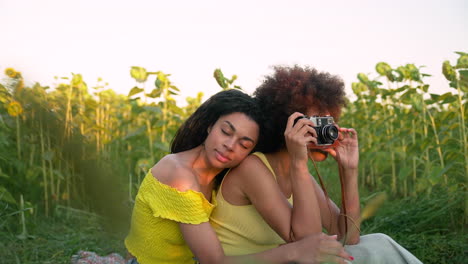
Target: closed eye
x,y
246,144
225,132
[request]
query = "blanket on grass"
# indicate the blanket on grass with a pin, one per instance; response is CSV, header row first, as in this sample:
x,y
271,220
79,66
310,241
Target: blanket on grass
x,y
88,257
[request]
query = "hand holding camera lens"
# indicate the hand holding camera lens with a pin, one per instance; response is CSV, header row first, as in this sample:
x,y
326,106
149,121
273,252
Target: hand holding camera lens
x,y
347,151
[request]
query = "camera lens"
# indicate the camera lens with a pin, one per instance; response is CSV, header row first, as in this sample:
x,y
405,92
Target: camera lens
x,y
330,132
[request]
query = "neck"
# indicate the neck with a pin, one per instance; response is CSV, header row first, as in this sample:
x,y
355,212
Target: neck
x,y
204,171
281,162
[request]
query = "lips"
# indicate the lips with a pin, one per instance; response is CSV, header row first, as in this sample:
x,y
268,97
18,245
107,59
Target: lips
x,y
319,151
318,155
221,158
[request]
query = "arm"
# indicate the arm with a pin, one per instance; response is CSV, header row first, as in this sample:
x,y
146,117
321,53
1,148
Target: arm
x,y
253,183
312,249
347,157
305,218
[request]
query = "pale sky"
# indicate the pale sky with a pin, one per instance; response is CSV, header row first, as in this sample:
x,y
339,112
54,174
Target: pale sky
x,y
189,39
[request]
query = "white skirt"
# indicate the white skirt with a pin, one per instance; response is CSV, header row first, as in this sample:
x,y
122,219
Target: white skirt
x,y
380,249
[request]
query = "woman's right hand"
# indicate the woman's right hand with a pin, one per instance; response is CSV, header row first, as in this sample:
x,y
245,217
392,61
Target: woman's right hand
x,y
298,135
320,248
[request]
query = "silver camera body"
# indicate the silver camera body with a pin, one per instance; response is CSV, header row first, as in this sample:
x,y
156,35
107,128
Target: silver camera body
x,y
327,131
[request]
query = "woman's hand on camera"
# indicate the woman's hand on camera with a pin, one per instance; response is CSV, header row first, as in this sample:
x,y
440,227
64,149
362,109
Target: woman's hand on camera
x,y
346,152
298,134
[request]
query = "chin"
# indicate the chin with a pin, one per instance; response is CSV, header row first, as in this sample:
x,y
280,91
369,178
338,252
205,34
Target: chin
x,y
318,155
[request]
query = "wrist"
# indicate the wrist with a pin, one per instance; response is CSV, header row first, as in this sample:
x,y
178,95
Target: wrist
x,y
298,167
349,168
298,158
291,253
350,175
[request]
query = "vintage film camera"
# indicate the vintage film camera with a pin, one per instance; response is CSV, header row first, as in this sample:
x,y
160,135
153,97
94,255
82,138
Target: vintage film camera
x,y
327,131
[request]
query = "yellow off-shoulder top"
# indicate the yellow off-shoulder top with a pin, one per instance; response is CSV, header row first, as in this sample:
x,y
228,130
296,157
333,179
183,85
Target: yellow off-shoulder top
x,y
154,235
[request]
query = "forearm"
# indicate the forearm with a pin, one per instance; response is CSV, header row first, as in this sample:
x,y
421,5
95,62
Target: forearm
x,y
312,249
305,218
282,254
353,211
206,247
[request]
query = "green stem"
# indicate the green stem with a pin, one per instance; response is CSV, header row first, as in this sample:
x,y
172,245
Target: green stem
x,y
413,136
67,185
404,146
368,139
150,139
428,164
425,129
44,171
97,129
439,150
18,139
166,91
388,129
23,234
68,113
464,145
52,180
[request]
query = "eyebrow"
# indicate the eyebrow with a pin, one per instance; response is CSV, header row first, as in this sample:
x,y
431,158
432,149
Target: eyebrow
x,y
234,129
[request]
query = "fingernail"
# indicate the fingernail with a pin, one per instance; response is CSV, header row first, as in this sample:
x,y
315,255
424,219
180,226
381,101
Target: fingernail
x,y
351,257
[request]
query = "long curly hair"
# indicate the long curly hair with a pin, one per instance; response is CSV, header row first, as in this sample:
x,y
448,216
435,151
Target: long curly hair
x,y
194,130
295,89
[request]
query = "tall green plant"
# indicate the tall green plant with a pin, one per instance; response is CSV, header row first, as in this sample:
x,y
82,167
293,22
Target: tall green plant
x,y
408,153
457,75
162,109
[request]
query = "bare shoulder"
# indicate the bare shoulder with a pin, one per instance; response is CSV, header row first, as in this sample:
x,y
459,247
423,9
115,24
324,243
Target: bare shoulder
x,y
238,180
173,171
246,182
250,169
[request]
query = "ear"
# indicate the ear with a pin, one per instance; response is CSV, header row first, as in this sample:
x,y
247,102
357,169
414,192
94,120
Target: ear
x,y
209,129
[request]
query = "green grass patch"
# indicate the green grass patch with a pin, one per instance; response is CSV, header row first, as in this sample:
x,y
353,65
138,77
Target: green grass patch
x,y
431,227
56,239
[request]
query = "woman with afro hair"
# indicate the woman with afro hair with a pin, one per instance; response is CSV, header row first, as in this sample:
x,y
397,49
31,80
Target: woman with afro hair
x,y
271,198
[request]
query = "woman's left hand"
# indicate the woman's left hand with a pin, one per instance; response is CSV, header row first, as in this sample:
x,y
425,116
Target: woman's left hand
x,y
346,153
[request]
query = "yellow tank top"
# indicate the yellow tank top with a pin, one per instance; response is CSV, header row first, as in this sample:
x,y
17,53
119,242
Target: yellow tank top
x,y
240,228
154,235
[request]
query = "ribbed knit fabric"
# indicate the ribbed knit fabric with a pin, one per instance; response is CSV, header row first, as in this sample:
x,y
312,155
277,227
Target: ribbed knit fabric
x,y
240,228
154,235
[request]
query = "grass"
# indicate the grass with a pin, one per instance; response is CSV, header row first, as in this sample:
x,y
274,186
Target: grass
x,y
426,226
430,227
56,239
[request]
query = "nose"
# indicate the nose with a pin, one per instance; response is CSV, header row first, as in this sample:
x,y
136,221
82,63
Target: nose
x,y
229,143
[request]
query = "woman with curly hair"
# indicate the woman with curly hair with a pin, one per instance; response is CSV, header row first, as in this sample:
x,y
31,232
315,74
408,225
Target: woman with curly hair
x,y
271,198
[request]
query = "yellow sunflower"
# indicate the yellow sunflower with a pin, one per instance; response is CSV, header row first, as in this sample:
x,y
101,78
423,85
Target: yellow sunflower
x,y
14,109
10,72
